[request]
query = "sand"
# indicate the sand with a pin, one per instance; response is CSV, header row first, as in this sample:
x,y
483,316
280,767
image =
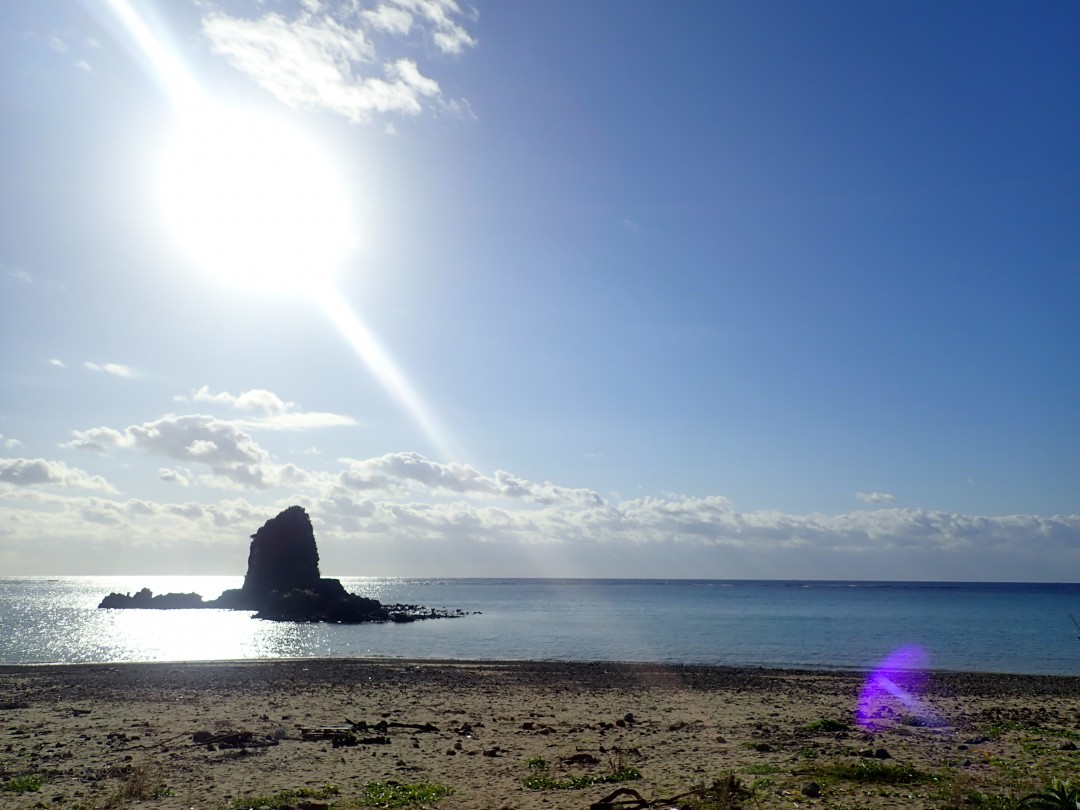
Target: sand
x,y
92,733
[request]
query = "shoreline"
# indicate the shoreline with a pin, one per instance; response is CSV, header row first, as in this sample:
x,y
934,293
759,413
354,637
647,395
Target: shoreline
x,y
87,731
526,663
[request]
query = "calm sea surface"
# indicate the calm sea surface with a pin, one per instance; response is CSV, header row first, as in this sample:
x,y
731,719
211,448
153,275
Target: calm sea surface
x,y
1022,628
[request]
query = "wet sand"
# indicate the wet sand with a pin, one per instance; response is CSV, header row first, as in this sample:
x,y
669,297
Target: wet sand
x,y
206,734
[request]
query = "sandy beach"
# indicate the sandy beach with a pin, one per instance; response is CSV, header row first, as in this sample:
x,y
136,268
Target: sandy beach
x,y
222,734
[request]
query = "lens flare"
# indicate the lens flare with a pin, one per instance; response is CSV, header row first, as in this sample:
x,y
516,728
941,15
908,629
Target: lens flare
x,y
891,692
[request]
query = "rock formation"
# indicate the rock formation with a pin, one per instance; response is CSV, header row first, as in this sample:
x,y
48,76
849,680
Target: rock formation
x,y
283,556
146,599
283,583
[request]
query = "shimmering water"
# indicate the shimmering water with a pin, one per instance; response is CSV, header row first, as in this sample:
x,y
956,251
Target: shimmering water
x,y
973,627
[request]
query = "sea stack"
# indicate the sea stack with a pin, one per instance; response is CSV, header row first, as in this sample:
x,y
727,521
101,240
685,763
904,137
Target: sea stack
x,y
283,583
283,555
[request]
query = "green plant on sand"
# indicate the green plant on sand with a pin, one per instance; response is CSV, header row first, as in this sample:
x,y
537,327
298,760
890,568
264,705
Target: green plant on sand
x,y
873,772
284,798
21,784
826,725
540,779
725,793
392,794
1060,795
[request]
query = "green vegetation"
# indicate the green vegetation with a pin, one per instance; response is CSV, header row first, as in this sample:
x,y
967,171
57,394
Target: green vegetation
x,y
395,794
285,798
762,769
871,771
143,781
1060,795
21,784
968,799
725,793
387,795
540,779
825,725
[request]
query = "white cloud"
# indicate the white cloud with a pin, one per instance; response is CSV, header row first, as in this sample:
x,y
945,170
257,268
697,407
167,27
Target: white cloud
x,y
856,545
9,442
257,399
234,458
396,472
440,16
27,472
277,414
116,369
389,18
58,363
172,476
98,440
309,420
19,274
324,58
875,497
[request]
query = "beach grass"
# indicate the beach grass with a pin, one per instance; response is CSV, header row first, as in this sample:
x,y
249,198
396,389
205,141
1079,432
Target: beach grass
x,y
21,784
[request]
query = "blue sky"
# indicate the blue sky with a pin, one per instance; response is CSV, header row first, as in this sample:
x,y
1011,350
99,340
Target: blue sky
x,y
542,289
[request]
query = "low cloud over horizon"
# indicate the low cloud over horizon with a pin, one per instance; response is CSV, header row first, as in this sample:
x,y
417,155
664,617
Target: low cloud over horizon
x,y
409,514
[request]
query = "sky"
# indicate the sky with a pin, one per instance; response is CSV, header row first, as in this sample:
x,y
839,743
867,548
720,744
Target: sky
x,y
609,289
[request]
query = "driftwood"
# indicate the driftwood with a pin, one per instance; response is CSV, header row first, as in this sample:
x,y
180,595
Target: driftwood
x,y
382,726
222,739
345,735
727,790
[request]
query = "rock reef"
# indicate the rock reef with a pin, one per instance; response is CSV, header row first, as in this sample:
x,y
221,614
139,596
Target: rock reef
x,y
283,583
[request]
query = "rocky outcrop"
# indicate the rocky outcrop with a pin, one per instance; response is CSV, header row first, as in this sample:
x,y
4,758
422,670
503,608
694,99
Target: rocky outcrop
x,y
146,599
283,583
282,559
283,556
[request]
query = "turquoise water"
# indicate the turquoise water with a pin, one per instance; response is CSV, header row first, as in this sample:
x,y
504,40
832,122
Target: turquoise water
x,y
1022,628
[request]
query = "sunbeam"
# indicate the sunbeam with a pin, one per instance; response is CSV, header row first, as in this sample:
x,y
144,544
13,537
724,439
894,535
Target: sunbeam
x,y
386,371
166,68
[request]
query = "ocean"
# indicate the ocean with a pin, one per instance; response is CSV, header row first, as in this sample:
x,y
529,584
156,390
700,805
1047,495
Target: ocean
x,y
973,627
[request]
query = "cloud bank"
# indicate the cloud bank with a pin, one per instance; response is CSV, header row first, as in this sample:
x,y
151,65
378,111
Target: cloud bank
x,y
30,472
408,514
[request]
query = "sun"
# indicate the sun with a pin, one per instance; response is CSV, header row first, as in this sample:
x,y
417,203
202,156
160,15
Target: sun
x,y
255,201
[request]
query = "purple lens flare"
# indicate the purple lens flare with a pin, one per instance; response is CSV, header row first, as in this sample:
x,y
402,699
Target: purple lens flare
x,y
891,692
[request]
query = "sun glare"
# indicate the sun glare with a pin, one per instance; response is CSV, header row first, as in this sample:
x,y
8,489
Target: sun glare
x,y
254,201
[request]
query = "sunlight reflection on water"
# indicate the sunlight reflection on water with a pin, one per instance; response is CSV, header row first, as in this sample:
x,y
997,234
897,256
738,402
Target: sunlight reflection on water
x,y
70,627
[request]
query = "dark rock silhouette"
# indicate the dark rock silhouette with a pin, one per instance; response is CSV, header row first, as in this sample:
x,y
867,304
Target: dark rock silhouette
x,y
283,556
282,583
146,599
